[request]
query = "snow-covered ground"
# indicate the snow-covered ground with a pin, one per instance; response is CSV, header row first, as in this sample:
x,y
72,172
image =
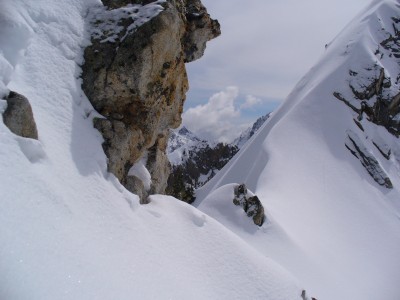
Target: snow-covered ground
x,y
68,229
330,224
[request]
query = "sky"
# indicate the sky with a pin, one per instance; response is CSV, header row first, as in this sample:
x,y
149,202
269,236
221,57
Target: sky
x,y
265,48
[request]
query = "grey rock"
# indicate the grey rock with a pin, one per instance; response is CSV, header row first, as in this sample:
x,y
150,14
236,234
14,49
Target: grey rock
x,y
18,116
255,210
375,93
369,162
240,193
251,205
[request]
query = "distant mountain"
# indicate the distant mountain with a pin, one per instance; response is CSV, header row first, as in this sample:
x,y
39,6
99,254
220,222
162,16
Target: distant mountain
x,y
195,161
249,132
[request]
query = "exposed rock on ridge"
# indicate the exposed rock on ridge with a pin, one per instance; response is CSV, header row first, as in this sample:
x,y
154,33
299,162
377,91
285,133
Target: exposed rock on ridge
x,y
138,83
373,94
251,205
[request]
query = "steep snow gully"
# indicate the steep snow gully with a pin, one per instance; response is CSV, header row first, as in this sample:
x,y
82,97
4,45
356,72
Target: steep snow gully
x,y
70,230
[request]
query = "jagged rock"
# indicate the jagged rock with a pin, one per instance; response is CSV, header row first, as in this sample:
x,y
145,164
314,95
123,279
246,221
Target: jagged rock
x,y
374,93
18,116
369,162
137,80
199,30
240,193
251,205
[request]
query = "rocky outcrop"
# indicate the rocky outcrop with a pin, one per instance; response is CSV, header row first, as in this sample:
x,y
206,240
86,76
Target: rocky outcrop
x,y
134,75
18,116
375,94
372,92
251,205
369,162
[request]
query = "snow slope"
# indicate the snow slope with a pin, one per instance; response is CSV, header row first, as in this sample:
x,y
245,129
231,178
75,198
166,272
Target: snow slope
x,y
329,222
68,229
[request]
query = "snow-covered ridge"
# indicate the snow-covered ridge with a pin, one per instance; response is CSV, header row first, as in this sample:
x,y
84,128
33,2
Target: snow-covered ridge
x,y
320,167
249,132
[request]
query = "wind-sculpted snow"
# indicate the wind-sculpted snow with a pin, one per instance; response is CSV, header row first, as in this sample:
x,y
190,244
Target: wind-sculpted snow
x,y
68,228
334,218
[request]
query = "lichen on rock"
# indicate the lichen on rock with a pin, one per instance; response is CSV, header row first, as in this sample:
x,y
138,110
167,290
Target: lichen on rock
x,y
137,80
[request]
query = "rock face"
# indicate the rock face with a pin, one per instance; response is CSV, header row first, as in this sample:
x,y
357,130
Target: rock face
x,y
18,116
137,80
373,94
369,162
251,205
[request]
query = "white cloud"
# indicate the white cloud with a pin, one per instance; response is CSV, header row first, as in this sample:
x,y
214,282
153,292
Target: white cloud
x,y
218,119
250,102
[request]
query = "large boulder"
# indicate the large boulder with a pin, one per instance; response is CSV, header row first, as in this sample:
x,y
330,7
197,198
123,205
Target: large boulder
x,y
18,116
136,79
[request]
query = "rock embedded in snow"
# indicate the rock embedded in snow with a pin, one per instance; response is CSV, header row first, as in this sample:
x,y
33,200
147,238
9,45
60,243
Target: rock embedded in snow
x,y
18,116
134,75
251,205
369,162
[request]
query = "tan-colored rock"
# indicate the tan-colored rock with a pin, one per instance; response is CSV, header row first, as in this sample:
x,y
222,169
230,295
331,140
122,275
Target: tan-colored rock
x,y
139,84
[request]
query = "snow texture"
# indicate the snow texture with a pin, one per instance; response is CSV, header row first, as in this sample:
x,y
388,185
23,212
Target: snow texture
x,y
68,228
